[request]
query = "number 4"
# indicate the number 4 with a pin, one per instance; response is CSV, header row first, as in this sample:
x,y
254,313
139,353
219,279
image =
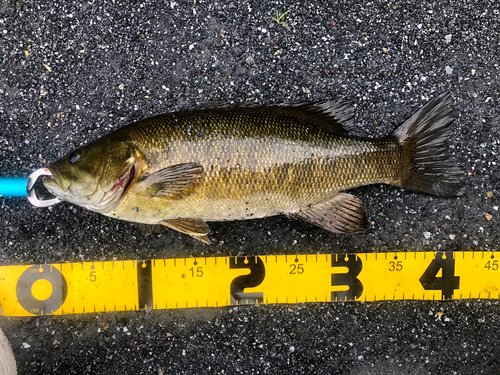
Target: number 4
x,y
448,282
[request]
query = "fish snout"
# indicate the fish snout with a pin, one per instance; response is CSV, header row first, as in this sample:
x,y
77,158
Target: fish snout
x,y
59,182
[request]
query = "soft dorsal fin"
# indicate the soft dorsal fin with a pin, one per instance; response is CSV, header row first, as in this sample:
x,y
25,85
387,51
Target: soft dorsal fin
x,y
333,116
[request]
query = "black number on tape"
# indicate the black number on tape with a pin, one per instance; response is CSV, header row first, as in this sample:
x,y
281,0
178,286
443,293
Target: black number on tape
x,y
492,265
296,269
395,265
253,279
198,272
349,279
448,282
25,294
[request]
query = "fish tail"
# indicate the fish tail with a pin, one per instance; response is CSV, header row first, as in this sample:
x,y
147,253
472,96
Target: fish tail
x,y
427,164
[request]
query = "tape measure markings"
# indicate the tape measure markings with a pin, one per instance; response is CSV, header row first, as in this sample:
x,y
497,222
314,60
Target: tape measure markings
x,y
221,281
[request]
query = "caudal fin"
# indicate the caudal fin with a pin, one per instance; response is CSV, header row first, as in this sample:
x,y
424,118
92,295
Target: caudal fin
x,y
425,139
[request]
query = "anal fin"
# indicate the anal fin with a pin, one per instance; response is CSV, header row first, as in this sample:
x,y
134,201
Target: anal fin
x,y
344,213
195,228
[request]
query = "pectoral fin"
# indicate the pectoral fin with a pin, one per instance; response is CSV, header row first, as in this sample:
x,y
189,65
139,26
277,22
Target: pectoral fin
x,y
196,228
344,213
176,181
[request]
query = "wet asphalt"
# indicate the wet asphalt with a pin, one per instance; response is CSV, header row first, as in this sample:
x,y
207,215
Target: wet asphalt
x,y
72,72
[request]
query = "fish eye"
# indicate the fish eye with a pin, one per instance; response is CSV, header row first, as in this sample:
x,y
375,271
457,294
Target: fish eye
x,y
74,157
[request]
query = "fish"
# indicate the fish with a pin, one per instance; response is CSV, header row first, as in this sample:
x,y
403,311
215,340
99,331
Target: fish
x,y
236,162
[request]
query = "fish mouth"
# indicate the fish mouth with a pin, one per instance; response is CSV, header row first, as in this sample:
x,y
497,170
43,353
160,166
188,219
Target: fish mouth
x,y
118,191
55,184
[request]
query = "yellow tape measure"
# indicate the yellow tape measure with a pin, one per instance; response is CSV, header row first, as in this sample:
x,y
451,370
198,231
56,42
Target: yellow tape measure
x,y
72,288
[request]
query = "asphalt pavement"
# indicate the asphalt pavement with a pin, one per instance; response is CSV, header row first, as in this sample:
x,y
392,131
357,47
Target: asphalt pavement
x,y
71,72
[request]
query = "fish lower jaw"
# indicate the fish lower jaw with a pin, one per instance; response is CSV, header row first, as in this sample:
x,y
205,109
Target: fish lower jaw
x,y
52,187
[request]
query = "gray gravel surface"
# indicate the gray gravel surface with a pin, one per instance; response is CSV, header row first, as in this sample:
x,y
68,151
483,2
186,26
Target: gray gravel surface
x,y
71,72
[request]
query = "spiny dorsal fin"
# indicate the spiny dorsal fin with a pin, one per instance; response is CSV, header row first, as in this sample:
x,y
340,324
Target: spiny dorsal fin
x,y
196,228
344,213
176,181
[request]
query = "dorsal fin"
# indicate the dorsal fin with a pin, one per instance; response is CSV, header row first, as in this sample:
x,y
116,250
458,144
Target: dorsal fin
x,y
333,116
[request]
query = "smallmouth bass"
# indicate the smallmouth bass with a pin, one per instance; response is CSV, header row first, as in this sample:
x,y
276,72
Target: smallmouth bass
x,y
188,168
